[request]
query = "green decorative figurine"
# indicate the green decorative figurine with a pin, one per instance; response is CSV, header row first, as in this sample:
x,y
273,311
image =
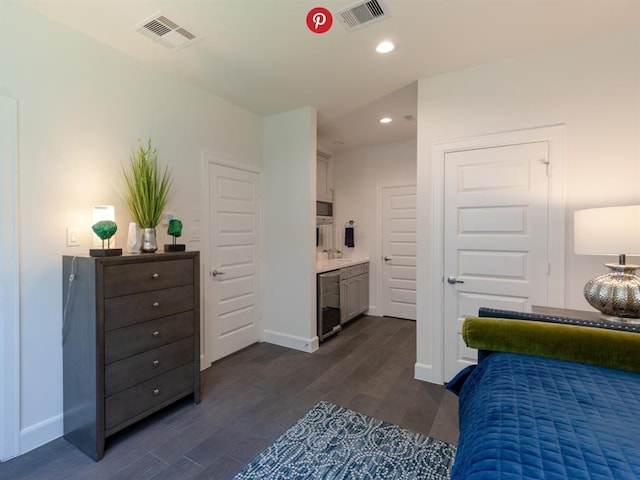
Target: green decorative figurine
x,y
105,229
175,230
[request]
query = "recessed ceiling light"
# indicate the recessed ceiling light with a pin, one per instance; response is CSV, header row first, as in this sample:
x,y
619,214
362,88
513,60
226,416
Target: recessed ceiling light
x,y
385,47
385,120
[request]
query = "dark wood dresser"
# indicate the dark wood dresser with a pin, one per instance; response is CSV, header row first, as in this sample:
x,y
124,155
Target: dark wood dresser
x,y
131,341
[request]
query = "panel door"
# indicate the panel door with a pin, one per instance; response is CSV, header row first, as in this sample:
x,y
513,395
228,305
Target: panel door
x,y
363,293
495,237
343,300
322,179
353,301
399,252
232,289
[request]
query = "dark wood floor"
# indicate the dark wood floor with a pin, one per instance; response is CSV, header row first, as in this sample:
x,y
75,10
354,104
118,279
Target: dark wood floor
x,y
250,398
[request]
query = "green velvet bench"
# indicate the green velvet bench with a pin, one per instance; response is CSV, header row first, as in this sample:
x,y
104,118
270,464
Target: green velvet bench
x,y
582,344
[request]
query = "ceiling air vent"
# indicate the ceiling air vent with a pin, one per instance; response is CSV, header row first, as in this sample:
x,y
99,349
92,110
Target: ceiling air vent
x,y
165,32
361,14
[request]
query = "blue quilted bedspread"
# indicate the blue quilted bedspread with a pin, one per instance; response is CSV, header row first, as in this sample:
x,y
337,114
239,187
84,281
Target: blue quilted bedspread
x,y
524,417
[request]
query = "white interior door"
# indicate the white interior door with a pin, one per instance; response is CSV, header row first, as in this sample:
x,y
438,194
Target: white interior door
x,y
399,252
232,287
495,236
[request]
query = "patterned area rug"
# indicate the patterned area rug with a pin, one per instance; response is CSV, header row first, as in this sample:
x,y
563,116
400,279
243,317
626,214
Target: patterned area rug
x,y
333,442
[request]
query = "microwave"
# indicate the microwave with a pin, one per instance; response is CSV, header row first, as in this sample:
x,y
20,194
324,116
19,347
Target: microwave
x,y
324,209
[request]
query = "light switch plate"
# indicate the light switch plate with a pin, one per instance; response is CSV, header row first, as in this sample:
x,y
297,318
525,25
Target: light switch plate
x,y
73,237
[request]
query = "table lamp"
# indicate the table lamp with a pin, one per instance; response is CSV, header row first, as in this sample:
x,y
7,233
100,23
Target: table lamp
x,y
100,213
611,231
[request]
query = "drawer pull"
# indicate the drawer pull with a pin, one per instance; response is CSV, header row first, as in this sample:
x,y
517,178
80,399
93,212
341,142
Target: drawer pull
x,y
156,304
156,391
156,363
154,276
156,333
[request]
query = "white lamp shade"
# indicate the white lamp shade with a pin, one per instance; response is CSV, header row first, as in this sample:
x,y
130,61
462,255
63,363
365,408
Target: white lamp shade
x,y
103,212
607,231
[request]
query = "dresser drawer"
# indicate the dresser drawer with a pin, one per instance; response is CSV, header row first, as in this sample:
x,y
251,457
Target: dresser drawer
x,y
131,309
125,342
145,396
146,276
130,371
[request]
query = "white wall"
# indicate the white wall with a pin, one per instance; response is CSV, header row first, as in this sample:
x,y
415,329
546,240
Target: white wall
x,y
359,174
289,191
81,107
9,280
593,87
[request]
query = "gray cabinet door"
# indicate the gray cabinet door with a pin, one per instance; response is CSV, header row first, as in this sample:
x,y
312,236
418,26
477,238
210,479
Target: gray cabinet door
x,y
363,293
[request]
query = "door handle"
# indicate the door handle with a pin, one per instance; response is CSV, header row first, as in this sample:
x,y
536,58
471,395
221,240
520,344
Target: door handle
x,y
215,273
454,280
386,259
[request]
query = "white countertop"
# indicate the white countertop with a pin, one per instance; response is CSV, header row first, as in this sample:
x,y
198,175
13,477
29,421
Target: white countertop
x,y
328,265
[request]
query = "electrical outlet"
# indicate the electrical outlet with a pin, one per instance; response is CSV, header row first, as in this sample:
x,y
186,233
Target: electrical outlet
x,y
73,237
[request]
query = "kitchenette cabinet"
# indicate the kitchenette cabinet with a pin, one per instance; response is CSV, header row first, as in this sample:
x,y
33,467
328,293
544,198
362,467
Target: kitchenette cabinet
x,y
343,293
324,177
354,291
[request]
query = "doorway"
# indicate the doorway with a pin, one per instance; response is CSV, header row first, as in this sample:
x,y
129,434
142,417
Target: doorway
x,y
500,168
495,237
398,272
231,283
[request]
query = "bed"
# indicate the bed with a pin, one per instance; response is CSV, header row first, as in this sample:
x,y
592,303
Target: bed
x,y
548,401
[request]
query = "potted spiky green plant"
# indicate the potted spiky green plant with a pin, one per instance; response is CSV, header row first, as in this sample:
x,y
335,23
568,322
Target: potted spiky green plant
x,y
145,192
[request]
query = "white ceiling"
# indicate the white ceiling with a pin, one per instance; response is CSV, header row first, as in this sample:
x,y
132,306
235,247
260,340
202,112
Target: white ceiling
x,y
259,54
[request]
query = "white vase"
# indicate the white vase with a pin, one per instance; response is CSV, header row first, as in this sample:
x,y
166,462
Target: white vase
x,y
133,239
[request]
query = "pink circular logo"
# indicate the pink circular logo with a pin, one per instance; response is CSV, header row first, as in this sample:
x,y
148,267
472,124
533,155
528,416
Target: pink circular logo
x,y
319,20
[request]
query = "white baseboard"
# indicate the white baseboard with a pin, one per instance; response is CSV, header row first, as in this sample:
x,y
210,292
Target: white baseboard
x,y
203,363
37,435
290,341
426,373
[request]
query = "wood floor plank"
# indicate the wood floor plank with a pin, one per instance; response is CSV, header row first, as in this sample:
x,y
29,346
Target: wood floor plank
x,y
224,467
183,468
251,397
144,468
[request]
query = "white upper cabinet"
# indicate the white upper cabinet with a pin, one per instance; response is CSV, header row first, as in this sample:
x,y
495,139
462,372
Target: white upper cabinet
x,y
324,177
